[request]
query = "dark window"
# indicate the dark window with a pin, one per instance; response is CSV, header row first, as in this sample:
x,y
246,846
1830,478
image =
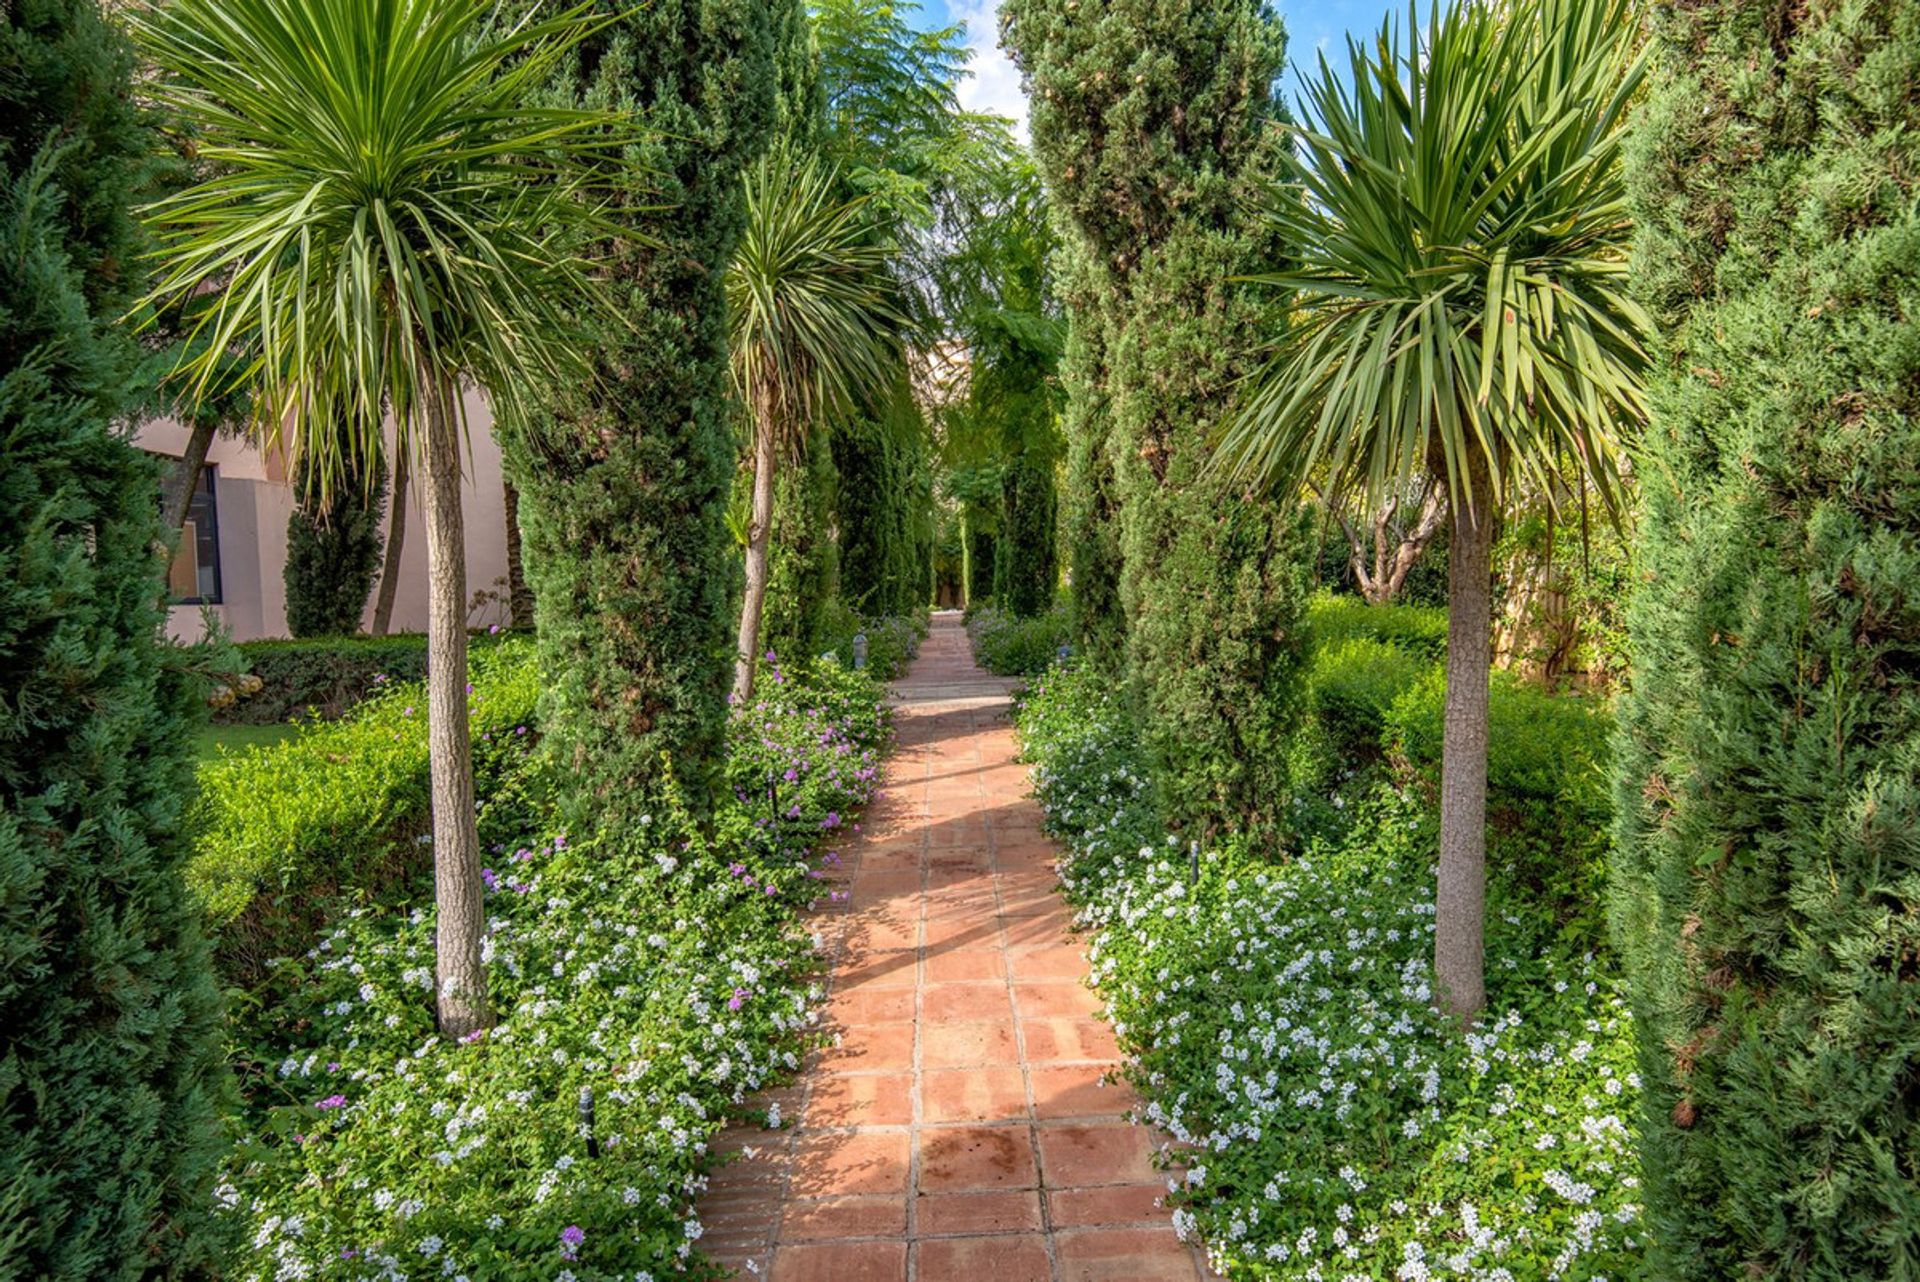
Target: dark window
x,y
194,576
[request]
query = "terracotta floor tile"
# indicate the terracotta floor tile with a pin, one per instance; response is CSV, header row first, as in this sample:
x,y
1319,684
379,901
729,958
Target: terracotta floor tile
x,y
969,1045
1078,1156
1115,1204
1123,1255
975,1259
834,1219
861,1099
948,964
967,1002
999,1212
861,1007
829,1163
840,1262
1049,999
961,1158
881,1047
1052,1040
1075,1090
972,1095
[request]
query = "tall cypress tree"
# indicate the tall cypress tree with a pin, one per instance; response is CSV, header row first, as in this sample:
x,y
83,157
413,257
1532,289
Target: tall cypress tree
x,y
333,549
1153,128
1767,883
623,491
109,1017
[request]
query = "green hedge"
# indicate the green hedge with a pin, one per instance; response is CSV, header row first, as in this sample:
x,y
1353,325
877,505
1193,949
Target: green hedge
x,y
1378,689
1012,646
339,808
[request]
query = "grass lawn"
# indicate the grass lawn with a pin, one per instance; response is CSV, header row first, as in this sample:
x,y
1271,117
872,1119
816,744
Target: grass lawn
x,y
211,739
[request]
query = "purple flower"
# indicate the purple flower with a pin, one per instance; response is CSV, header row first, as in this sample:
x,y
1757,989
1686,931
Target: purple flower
x,y
491,878
739,997
331,1101
408,712
570,1239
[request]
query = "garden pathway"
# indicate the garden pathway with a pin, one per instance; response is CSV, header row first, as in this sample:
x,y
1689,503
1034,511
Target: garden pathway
x,y
961,1128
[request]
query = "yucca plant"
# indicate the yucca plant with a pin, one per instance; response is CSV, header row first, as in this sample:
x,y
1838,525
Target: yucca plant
x,y
387,222
1458,225
814,317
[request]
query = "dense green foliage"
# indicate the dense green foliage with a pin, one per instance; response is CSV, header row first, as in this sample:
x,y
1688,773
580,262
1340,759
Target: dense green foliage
x,y
1767,894
1156,163
624,488
333,549
323,677
665,973
1281,1018
340,809
109,1023
884,508
1015,645
804,578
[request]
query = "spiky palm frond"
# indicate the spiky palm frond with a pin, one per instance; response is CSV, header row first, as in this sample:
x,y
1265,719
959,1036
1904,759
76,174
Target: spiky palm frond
x,y
1460,228
814,309
384,212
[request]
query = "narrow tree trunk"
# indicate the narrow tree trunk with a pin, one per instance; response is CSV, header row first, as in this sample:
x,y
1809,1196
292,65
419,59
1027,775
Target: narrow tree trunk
x,y
183,478
759,533
396,538
461,1003
519,596
1459,962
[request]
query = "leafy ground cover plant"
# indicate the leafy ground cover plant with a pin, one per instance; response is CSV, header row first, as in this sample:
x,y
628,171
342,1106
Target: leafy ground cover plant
x,y
1012,646
663,979
1280,1017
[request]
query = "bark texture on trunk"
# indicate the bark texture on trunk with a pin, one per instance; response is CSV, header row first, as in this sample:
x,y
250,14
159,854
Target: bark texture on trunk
x,y
759,532
184,476
461,1003
519,595
1459,963
396,539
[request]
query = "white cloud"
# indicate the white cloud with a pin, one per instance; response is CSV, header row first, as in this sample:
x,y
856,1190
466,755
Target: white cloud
x,y
995,83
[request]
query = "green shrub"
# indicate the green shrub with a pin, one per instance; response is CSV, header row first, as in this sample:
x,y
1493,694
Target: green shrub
x,y
332,552
665,973
1421,629
1011,646
892,640
324,677
1279,1015
110,1074
1355,681
338,810
1767,886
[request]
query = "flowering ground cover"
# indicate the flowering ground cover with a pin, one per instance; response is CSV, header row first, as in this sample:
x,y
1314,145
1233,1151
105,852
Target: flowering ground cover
x,y
1277,1009
644,989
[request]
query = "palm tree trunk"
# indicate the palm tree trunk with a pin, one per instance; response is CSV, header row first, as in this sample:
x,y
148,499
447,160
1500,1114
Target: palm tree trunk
x,y
519,598
759,534
461,1003
1459,961
396,537
183,478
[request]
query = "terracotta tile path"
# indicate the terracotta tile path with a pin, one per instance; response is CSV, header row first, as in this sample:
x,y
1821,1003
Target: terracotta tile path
x,y
961,1128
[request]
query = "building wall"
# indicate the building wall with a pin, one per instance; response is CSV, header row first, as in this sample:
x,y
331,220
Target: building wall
x,y
253,500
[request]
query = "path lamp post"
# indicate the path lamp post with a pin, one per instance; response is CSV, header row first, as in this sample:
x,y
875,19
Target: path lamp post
x,y
859,650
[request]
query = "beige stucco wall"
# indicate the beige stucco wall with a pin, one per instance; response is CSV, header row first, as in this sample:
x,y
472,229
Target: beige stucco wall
x,y
254,500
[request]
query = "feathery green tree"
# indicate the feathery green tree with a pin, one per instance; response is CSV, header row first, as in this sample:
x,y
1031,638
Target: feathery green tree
x,y
1155,130
1766,890
624,484
110,1032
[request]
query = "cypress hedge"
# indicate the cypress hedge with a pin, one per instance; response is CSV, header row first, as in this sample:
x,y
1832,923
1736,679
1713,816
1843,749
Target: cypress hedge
x,y
1766,892
1153,126
333,551
624,489
110,1068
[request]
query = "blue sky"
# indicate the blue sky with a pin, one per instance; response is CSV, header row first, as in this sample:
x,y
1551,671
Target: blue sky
x,y
1311,25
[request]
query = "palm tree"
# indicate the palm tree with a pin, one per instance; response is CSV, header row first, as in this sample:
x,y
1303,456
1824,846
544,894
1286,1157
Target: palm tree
x,y
388,222
814,319
1459,228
